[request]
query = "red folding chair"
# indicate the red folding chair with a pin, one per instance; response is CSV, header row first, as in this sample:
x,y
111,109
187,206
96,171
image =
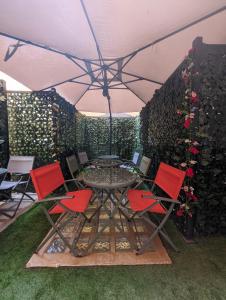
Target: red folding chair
x,y
143,202
48,179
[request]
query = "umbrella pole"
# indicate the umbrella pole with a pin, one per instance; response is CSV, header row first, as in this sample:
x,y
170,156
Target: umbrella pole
x,y
110,131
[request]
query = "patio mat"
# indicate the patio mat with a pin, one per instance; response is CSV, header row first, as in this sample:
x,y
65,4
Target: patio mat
x,y
25,206
112,248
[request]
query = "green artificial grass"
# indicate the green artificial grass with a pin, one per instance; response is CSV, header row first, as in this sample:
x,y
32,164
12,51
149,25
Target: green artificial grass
x,y
197,272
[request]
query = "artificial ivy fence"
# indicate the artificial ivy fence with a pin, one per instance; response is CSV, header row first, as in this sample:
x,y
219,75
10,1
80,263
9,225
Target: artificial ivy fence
x,y
43,124
184,125
3,126
93,135
40,124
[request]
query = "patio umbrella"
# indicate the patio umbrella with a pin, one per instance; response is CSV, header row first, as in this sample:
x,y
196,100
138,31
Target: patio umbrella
x,y
103,55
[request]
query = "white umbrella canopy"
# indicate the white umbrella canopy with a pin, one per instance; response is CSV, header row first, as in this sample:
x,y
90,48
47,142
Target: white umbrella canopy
x,y
85,48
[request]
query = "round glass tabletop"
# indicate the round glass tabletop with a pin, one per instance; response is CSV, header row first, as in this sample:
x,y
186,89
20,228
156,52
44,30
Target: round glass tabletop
x,y
109,178
106,163
108,156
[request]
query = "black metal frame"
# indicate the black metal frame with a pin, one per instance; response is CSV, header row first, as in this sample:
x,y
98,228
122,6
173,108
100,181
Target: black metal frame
x,y
60,224
11,211
159,227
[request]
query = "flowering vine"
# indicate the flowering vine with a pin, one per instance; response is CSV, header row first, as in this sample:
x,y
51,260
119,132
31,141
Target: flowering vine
x,y
188,113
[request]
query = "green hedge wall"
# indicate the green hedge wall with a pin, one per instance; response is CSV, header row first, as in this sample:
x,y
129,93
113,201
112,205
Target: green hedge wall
x,y
3,125
161,127
93,135
41,124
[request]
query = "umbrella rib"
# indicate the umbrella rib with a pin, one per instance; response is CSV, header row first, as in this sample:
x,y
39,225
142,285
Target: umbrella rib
x,y
121,68
81,67
87,88
110,88
28,42
138,77
176,31
130,81
93,33
85,83
67,80
129,89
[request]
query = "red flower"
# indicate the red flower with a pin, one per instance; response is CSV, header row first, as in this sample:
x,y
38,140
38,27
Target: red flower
x,y
180,212
194,97
194,198
190,172
193,150
191,196
187,123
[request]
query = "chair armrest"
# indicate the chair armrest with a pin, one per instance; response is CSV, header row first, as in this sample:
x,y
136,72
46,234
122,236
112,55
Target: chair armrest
x,y
161,199
147,179
70,180
77,182
58,198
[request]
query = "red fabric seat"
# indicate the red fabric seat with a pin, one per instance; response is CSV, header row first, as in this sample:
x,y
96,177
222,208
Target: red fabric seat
x,y
79,203
138,203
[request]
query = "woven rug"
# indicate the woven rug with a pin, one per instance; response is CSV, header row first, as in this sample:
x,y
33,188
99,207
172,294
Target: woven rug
x,y
115,246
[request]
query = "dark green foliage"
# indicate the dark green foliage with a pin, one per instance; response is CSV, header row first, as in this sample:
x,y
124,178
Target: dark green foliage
x,y
161,126
93,135
45,125
3,126
41,124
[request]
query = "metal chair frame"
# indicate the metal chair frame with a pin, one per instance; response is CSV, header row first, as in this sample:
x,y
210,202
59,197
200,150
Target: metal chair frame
x,y
58,226
18,166
145,214
83,158
73,167
144,165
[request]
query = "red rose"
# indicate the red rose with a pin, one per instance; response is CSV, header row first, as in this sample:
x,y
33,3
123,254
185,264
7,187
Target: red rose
x,y
191,196
187,123
193,150
190,172
194,97
194,198
180,212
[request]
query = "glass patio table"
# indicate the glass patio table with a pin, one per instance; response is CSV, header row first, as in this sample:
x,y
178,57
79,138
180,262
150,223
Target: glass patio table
x,y
110,184
111,156
106,163
109,178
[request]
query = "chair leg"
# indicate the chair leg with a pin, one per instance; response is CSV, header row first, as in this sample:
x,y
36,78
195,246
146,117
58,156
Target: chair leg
x,y
75,251
158,229
51,233
56,228
13,209
166,237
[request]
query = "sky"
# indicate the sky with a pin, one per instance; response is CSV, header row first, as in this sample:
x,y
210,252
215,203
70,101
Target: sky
x,y
12,84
